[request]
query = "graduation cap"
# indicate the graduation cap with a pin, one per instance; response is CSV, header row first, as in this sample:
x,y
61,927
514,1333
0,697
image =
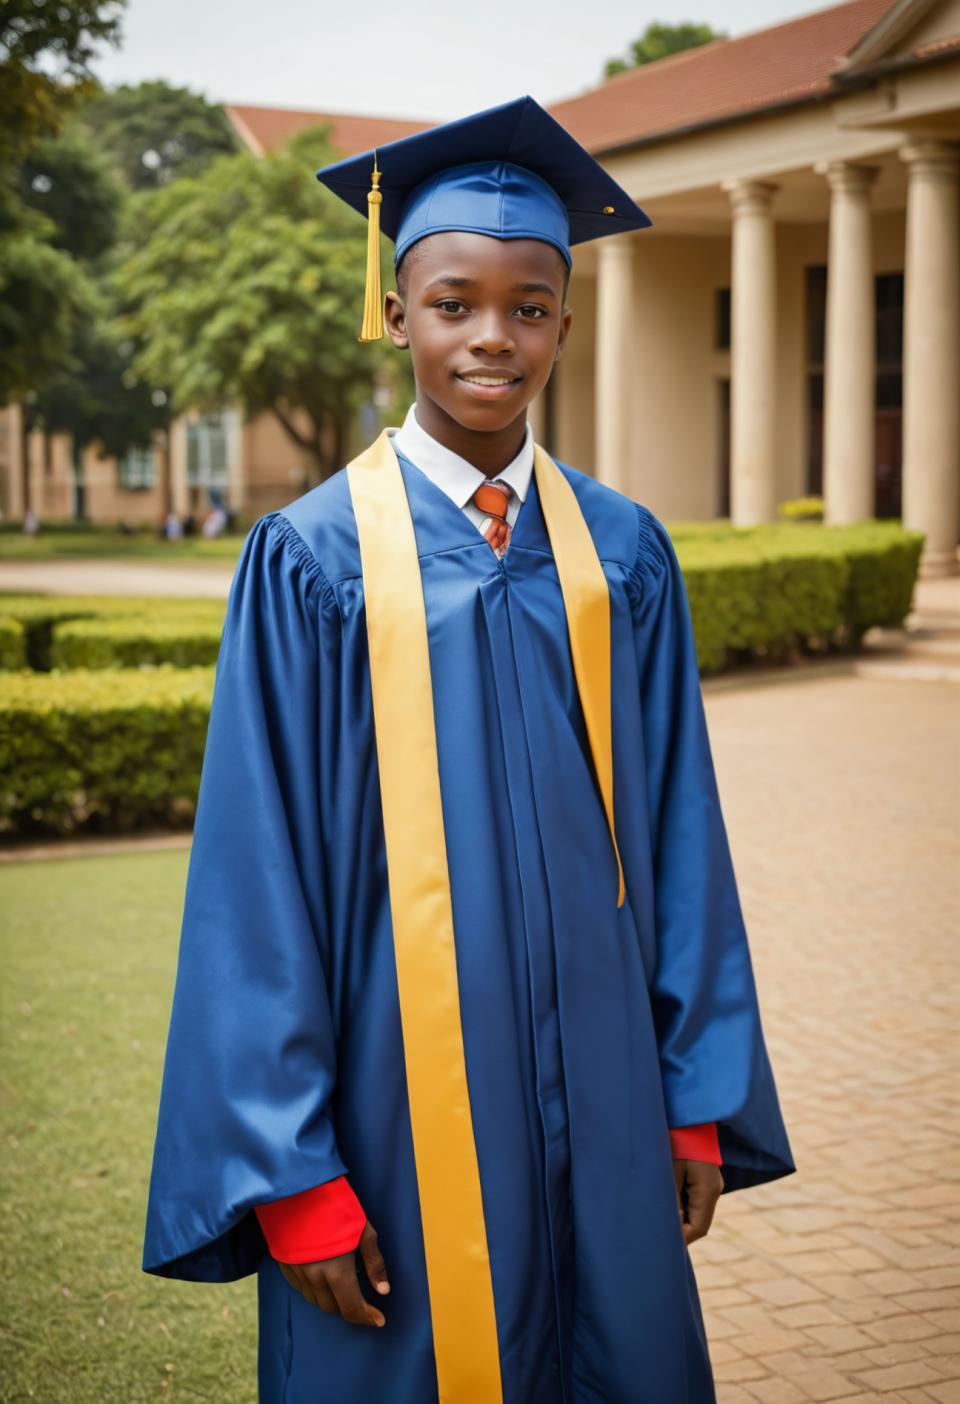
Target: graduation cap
x,y
509,171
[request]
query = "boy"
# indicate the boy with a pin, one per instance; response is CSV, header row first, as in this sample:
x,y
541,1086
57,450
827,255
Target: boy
x,y
462,946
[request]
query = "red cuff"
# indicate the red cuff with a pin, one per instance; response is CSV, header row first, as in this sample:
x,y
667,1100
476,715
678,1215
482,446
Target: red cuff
x,y
321,1222
696,1143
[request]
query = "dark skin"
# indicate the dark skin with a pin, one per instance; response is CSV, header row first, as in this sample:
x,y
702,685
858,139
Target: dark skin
x,y
470,304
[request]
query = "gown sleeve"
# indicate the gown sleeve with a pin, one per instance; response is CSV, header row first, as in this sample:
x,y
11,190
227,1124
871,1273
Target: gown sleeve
x,y
696,1143
245,1102
713,1057
321,1222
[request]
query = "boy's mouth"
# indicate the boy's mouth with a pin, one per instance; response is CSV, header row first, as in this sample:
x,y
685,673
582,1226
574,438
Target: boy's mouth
x,y
489,384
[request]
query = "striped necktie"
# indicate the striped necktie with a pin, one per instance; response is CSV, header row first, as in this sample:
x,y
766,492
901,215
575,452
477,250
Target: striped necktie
x,y
493,500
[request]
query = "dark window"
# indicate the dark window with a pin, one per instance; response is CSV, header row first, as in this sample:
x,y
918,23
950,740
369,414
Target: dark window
x,y
722,319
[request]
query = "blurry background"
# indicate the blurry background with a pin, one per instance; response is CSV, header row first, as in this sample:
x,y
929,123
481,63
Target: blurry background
x,y
773,368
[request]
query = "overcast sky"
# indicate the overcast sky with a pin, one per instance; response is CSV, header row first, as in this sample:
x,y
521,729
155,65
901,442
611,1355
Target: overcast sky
x,y
430,59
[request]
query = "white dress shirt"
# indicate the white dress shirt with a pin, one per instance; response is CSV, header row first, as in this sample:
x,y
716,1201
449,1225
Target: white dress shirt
x,y
457,477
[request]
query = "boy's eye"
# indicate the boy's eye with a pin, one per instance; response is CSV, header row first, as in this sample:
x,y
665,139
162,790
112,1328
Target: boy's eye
x,y
450,304
532,311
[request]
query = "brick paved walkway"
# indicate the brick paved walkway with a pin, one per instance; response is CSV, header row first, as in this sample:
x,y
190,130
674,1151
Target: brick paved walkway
x,y
841,1281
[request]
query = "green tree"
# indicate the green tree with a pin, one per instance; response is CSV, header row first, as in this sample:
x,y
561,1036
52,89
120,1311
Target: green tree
x,y
155,133
58,356
43,295
659,40
67,179
46,47
58,217
100,401
247,285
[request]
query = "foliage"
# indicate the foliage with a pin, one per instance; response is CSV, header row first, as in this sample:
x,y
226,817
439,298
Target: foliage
x,y
660,40
67,362
44,294
67,179
136,642
42,619
99,400
46,47
802,509
101,749
45,51
72,738
247,285
154,132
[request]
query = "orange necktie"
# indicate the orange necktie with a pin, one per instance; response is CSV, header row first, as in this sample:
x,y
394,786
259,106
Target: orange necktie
x,y
493,499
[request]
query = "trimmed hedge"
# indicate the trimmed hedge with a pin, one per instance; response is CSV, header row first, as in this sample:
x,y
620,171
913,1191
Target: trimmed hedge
x,y
108,748
13,643
132,643
170,630
101,749
775,590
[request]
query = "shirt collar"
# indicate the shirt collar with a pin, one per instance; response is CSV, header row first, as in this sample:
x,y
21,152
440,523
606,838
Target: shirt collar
x,y
458,478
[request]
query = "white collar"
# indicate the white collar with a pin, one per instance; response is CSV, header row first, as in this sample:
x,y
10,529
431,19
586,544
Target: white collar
x,y
458,478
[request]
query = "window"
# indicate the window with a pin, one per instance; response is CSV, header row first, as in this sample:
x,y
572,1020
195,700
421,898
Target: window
x,y
207,452
137,469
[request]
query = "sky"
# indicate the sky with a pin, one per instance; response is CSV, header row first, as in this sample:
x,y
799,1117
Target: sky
x,y
433,59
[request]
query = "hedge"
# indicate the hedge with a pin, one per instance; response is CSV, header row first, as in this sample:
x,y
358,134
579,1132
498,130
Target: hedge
x,y
159,623
132,643
101,749
770,591
109,748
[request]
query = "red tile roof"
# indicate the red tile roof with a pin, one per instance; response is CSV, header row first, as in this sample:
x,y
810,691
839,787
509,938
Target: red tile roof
x,y
722,81
725,79
264,128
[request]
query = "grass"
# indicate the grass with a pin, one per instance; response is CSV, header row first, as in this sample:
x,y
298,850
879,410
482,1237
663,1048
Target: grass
x,y
89,951
100,543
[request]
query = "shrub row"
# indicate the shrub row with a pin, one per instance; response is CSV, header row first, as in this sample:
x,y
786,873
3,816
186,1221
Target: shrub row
x,y
101,749
107,631
774,590
109,748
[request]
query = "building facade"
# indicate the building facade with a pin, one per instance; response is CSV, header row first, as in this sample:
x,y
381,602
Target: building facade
x,y
790,325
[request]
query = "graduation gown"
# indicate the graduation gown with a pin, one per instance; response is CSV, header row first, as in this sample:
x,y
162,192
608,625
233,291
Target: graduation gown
x,y
588,1028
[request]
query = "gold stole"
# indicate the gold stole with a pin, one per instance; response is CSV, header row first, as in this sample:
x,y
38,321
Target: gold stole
x,y
448,1178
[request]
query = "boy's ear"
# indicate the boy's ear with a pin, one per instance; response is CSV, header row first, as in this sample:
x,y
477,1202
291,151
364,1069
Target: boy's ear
x,y
566,317
395,321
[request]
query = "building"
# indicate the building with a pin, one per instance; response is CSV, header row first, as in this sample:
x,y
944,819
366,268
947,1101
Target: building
x,y
791,322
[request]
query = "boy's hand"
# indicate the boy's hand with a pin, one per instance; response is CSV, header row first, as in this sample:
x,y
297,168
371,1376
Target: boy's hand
x,y
333,1285
699,1186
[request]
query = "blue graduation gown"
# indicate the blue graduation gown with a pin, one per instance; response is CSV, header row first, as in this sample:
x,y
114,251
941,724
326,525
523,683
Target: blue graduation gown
x,y
587,1029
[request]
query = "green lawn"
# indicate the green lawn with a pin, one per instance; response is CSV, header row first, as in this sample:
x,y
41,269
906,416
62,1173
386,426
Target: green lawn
x,y
102,544
89,950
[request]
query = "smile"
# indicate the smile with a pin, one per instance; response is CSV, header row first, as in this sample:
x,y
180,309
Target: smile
x,y
490,379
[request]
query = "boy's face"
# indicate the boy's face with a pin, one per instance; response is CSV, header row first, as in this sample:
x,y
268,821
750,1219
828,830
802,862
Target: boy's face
x,y
477,306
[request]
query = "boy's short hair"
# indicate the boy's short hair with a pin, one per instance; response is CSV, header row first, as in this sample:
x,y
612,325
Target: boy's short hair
x,y
403,268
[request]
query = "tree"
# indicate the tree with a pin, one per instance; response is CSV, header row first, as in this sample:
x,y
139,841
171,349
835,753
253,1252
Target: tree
x,y
155,133
43,296
100,401
659,40
60,215
247,285
46,48
67,179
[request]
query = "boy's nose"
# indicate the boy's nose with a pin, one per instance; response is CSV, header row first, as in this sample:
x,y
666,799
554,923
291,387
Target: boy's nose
x,y
492,335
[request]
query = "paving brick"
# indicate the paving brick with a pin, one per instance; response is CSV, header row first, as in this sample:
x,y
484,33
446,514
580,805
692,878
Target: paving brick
x,y
842,1282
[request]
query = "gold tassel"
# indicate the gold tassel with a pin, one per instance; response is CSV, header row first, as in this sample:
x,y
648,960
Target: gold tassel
x,y
372,329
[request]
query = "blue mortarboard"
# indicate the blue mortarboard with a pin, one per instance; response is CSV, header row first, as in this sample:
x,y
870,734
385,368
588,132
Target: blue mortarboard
x,y
510,171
